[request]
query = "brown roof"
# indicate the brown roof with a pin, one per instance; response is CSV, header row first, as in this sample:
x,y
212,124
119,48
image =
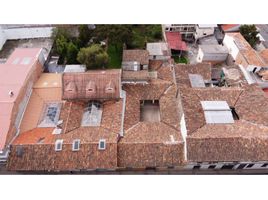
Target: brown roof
x,y
94,84
249,102
248,54
264,55
138,55
141,75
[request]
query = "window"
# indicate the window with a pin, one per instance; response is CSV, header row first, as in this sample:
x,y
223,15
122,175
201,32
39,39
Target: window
x,y
265,165
58,145
76,145
196,167
212,166
241,166
227,166
249,165
102,144
217,112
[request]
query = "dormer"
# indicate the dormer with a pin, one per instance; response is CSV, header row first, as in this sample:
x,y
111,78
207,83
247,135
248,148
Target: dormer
x,y
110,88
91,87
71,87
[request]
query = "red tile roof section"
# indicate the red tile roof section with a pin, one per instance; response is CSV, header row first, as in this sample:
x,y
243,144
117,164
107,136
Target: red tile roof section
x,y
175,42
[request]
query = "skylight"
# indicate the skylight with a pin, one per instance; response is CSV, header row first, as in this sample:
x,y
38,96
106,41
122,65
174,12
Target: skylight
x,y
217,112
50,115
26,61
92,114
196,80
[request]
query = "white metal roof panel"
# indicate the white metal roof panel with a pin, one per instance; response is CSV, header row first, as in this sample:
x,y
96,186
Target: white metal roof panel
x,y
219,117
196,80
215,105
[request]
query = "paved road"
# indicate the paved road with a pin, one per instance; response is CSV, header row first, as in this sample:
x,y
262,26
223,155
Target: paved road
x,y
151,172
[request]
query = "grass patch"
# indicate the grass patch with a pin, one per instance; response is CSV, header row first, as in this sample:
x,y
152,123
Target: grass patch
x,y
181,59
115,55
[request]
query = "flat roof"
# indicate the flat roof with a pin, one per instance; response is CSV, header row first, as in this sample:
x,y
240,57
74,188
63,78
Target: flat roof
x,y
214,49
157,48
13,74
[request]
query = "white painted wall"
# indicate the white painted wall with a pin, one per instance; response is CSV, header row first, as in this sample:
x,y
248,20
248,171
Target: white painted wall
x,y
2,38
231,46
184,134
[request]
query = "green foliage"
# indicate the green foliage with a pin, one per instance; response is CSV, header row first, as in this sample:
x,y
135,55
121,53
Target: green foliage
x,y
61,47
250,33
85,35
93,57
115,56
72,52
180,59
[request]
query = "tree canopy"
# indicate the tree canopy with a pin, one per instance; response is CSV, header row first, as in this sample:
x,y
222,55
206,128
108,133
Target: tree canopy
x,y
93,57
250,33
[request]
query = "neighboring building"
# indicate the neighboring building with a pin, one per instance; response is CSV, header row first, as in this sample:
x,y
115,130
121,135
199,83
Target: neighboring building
x,y
213,54
263,35
135,60
18,74
222,132
227,28
24,31
187,31
175,41
204,30
158,51
73,134
241,51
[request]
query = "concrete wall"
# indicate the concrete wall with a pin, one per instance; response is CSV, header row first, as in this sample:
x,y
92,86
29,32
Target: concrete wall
x,y
211,57
203,32
231,46
2,38
159,57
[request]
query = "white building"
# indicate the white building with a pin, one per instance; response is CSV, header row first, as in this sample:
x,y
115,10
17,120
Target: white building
x,y
203,30
212,53
15,32
158,51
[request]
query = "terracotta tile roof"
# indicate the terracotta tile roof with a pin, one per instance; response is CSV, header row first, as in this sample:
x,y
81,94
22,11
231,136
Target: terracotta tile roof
x,y
247,53
93,84
264,55
229,27
175,42
224,142
138,55
141,75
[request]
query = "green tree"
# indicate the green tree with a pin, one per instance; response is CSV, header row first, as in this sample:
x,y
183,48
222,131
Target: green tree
x,y
61,46
93,57
71,54
85,35
250,33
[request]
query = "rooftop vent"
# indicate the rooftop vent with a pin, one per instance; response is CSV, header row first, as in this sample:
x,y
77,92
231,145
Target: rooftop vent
x,y
71,87
217,112
91,87
110,88
11,93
